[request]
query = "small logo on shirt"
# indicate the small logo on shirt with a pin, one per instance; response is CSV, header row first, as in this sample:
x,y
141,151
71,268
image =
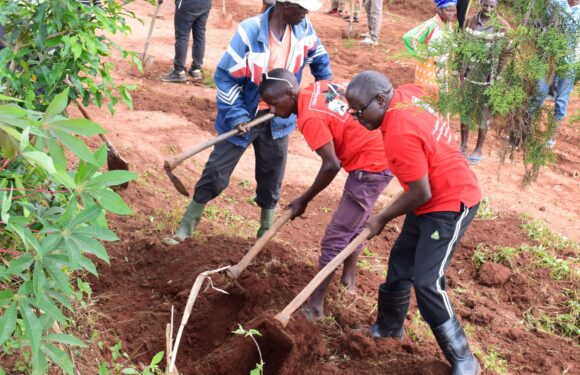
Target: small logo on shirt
x,y
435,235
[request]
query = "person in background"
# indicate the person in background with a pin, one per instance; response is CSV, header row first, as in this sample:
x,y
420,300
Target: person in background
x,y
569,11
190,17
489,28
337,8
374,11
440,200
281,37
418,40
331,132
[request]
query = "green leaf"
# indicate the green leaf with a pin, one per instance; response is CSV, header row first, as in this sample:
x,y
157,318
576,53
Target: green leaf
x,y
99,232
57,154
9,98
6,204
64,339
38,280
74,253
11,132
58,276
8,146
79,126
51,242
91,246
71,210
112,178
85,216
33,332
63,178
19,264
86,170
129,371
57,106
59,357
11,111
78,147
112,202
25,139
59,297
41,159
88,265
6,294
157,358
8,322
50,308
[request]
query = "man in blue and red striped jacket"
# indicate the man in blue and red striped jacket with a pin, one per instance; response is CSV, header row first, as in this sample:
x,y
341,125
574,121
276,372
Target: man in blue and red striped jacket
x,y
281,37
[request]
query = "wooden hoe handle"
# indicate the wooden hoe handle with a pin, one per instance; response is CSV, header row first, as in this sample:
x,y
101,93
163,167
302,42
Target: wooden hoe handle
x,y
284,316
170,164
86,115
235,270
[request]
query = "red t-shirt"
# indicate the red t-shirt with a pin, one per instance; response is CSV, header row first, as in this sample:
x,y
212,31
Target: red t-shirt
x,y
323,117
418,142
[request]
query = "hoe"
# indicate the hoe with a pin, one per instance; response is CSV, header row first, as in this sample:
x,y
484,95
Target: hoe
x,y
169,165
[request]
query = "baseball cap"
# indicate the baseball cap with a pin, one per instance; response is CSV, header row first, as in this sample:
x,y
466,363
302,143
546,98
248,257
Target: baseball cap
x,y
310,5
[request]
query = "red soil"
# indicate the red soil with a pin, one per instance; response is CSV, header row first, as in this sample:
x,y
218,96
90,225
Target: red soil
x,y
135,294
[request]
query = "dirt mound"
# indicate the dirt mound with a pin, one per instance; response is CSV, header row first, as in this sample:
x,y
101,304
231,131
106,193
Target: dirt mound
x,y
156,276
493,274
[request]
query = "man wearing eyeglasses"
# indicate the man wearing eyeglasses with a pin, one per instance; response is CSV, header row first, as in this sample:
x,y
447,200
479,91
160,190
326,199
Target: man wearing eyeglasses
x,y
281,37
440,200
329,130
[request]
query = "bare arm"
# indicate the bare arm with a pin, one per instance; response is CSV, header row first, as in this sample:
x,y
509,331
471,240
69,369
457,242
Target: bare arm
x,y
419,193
327,172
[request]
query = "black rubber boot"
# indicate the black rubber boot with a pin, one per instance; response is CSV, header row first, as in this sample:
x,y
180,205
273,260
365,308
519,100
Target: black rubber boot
x,y
393,308
452,340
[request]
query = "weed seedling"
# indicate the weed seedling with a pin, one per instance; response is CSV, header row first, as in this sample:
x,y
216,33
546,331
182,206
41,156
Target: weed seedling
x,y
491,360
485,211
538,230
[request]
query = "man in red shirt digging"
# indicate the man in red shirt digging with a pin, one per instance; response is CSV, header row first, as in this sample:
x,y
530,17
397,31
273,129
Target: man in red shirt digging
x,y
329,130
440,200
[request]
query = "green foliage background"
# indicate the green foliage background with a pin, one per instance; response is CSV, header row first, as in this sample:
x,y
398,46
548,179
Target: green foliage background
x,y
539,50
54,194
48,41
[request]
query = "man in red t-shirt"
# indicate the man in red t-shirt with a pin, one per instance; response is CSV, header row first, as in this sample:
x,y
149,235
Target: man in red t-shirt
x,y
330,131
440,200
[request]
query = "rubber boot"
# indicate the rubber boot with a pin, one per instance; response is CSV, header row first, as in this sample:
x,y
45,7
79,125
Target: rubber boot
x,y
266,220
190,220
452,340
393,308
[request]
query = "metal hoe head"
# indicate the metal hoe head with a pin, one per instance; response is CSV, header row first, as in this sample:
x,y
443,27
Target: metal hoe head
x,y
175,180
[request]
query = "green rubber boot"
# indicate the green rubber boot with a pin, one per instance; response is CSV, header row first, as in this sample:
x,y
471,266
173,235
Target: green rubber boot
x,y
190,220
266,220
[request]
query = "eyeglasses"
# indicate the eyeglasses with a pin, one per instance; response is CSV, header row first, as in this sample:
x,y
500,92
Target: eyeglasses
x,y
358,114
266,77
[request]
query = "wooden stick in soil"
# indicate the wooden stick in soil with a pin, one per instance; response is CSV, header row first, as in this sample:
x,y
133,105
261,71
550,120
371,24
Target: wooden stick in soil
x,y
284,316
188,307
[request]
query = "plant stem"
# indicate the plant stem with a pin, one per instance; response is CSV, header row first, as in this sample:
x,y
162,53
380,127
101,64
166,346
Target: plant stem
x,y
259,351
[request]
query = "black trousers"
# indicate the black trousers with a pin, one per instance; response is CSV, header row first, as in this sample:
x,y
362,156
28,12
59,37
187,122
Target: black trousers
x,y
270,156
190,17
421,255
